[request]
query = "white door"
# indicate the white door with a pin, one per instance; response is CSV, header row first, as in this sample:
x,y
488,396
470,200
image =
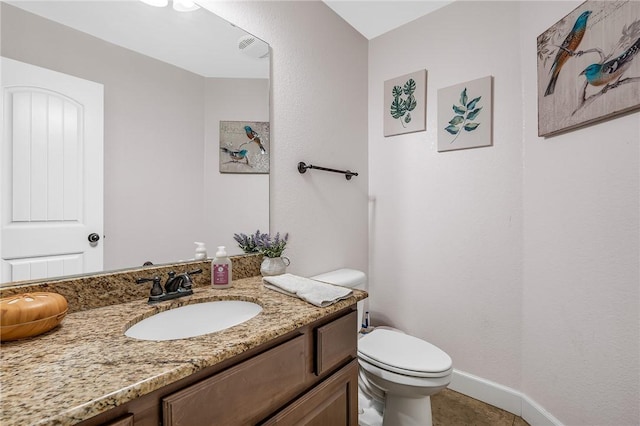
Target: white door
x,y
51,173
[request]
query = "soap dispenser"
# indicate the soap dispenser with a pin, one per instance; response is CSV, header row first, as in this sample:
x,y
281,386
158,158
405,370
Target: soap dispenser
x,y
201,251
221,273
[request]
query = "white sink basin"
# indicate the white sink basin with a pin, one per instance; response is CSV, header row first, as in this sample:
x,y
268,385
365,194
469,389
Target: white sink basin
x,y
194,320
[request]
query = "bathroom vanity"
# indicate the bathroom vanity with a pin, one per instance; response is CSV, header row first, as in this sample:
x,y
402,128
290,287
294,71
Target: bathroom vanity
x,y
293,363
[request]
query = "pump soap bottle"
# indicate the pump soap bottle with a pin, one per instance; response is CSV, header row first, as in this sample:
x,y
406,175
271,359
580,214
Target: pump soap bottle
x,y
201,251
221,269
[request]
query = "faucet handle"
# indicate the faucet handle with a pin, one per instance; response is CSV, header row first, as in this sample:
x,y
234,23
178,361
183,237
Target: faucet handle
x,y
156,289
185,278
185,281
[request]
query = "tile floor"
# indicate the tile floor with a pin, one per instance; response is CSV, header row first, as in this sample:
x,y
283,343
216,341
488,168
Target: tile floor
x,y
451,408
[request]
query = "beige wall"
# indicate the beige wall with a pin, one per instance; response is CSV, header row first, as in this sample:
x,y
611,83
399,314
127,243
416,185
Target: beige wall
x,y
319,116
447,230
520,260
581,264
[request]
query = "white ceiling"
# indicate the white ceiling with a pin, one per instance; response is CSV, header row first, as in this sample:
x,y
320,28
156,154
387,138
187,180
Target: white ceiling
x,y
375,17
198,41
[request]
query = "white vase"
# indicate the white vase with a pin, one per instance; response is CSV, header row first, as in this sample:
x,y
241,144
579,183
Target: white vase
x,y
274,266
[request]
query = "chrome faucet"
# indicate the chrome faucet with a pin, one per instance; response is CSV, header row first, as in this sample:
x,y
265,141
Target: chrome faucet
x,y
176,286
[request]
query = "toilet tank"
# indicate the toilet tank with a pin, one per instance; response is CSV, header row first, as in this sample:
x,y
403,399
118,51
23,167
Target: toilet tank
x,y
350,278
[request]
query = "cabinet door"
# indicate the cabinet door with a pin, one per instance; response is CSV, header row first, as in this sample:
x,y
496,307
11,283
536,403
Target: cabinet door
x,y
333,402
336,343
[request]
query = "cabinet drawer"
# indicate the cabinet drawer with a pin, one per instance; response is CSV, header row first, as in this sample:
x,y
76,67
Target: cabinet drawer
x,y
336,343
244,393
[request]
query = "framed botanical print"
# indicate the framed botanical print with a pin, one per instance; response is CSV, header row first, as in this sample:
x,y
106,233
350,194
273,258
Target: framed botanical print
x,y
405,104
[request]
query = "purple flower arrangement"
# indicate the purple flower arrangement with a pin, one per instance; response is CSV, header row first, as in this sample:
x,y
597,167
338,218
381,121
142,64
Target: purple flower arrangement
x,y
264,244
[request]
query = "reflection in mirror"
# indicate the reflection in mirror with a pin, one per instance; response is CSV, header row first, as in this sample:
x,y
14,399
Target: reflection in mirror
x,y
152,86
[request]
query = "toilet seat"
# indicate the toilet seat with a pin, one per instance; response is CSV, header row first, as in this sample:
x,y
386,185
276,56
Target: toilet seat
x,y
403,354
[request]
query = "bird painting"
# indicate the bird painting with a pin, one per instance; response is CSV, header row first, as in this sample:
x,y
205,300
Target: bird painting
x,y
610,71
236,156
244,147
567,49
254,137
595,73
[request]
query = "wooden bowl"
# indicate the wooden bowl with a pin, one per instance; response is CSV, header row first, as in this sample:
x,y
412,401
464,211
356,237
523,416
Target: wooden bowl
x,y
30,314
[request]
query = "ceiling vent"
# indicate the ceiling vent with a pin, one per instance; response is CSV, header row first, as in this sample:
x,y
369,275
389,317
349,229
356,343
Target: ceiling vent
x,y
253,47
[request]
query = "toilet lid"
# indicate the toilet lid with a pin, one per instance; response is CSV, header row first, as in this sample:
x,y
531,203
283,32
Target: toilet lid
x,y
403,354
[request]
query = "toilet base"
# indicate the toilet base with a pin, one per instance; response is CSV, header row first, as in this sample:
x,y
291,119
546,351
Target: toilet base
x,y
407,411
369,411
395,411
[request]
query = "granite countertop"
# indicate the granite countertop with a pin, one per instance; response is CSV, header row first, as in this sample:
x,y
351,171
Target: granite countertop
x,y
87,365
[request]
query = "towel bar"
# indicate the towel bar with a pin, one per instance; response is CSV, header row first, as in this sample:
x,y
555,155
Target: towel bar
x,y
302,168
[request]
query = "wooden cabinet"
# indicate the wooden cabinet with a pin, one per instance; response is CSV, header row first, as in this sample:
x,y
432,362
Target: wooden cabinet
x,y
308,377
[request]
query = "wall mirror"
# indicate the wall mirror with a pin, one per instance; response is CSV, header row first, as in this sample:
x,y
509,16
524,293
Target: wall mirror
x,y
167,79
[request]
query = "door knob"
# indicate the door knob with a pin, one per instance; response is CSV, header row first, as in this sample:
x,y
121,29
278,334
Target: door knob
x,y
93,237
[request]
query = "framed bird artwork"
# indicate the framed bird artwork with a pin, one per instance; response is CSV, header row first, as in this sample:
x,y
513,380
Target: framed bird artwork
x,y
589,66
244,147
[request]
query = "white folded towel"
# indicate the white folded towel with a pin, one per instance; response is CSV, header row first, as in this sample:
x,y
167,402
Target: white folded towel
x,y
315,292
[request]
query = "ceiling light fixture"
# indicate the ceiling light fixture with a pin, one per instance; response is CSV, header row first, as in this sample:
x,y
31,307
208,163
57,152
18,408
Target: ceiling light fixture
x,y
156,3
178,5
185,5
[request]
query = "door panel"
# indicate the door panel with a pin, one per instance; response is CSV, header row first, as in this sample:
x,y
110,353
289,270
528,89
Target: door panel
x,y
51,172
46,266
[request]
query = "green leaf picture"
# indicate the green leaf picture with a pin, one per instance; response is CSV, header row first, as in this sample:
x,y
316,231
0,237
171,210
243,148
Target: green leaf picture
x,y
464,114
400,106
404,104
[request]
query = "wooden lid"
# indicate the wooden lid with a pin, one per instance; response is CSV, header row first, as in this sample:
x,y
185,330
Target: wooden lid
x,y
29,307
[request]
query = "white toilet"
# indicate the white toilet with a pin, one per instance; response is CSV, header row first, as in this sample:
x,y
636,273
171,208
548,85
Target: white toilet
x,y
398,372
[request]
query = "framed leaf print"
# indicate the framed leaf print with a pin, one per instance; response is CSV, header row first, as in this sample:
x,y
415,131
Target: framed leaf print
x,y
465,113
405,104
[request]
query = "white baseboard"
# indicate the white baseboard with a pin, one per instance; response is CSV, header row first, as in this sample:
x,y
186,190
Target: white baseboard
x,y
502,397
487,391
536,415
